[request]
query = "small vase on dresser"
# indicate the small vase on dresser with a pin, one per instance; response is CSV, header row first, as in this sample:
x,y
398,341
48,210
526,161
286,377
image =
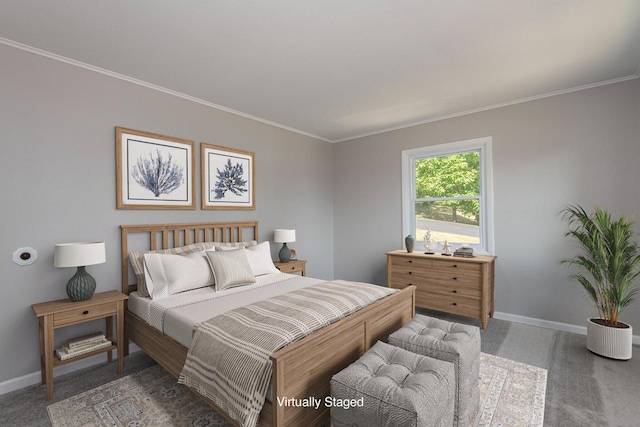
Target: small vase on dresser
x,y
409,243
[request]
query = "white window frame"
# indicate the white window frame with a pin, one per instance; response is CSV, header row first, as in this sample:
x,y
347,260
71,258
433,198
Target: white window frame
x,y
483,145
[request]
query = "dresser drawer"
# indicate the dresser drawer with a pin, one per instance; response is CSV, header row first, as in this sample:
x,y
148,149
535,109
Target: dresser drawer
x,y
454,265
454,277
410,262
433,287
456,304
83,314
412,270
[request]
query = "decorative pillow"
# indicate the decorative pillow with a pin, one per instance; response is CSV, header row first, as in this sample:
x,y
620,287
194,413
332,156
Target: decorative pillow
x,y
259,257
230,268
168,274
136,257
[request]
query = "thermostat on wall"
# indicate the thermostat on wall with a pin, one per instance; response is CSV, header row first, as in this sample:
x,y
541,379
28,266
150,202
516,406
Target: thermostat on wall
x,y
25,256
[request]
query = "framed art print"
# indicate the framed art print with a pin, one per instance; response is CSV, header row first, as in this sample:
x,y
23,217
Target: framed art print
x,y
228,178
154,171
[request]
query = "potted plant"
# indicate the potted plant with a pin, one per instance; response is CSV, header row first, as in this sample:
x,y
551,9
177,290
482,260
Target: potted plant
x,y
610,259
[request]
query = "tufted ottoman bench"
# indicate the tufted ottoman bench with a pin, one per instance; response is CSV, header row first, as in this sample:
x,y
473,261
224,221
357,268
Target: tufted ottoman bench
x,y
392,387
452,342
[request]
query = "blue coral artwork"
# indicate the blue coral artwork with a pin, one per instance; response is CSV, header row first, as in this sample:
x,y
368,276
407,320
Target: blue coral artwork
x,y
154,171
227,177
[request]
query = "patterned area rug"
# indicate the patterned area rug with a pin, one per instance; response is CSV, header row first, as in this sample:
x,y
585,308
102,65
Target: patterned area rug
x,y
511,394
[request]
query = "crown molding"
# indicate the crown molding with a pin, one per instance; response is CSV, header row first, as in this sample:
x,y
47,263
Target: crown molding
x,y
492,107
148,85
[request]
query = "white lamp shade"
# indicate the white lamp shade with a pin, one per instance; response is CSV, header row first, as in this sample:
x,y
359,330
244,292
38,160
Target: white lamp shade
x,y
79,254
284,236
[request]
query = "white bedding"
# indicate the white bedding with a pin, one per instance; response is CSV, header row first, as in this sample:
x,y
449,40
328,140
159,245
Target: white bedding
x,y
176,315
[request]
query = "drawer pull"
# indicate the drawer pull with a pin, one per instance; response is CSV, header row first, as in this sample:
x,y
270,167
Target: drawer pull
x,y
410,261
454,303
455,265
454,278
293,268
85,312
411,272
454,291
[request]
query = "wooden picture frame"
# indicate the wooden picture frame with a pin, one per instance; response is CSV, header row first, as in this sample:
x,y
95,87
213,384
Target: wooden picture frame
x,y
154,171
227,177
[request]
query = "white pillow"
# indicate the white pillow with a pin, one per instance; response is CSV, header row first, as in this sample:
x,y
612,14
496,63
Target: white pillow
x,y
259,257
168,274
230,268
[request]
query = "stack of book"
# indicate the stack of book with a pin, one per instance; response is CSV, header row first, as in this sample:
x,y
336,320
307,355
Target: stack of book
x,y
82,345
464,252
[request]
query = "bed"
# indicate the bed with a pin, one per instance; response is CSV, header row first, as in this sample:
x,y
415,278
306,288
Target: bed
x,y
302,369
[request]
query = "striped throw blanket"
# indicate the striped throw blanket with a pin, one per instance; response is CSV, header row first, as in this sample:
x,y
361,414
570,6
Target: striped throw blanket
x,y
228,361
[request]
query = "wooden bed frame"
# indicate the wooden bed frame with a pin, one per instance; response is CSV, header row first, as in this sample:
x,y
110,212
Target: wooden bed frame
x,y
302,369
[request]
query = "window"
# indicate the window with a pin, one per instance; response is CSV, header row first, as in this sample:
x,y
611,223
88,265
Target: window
x,y
448,189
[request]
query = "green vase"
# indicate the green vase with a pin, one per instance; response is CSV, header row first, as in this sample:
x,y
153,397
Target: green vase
x,y
409,242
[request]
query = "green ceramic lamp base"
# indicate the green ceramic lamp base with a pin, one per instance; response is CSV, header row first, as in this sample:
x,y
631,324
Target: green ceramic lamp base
x,y
81,286
285,253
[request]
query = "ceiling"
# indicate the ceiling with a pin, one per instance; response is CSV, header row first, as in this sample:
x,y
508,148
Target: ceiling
x,y
339,69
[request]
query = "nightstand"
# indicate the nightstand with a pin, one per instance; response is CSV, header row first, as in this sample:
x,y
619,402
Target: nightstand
x,y
293,266
58,314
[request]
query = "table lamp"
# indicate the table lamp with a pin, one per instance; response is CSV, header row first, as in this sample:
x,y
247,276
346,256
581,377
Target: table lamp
x,y
284,237
82,285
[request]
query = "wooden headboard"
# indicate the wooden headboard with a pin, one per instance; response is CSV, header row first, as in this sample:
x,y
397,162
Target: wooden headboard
x,y
166,236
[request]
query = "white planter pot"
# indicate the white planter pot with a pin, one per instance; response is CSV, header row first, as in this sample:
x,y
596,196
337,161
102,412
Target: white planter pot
x,y
614,343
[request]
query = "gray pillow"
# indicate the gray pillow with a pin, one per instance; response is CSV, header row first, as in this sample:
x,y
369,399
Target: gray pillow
x,y
230,268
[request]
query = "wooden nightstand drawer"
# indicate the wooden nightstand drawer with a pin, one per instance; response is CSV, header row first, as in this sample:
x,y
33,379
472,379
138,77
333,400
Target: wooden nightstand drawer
x,y
295,266
83,314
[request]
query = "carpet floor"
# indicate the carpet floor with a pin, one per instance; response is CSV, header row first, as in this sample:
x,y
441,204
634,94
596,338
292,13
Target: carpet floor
x,y
582,389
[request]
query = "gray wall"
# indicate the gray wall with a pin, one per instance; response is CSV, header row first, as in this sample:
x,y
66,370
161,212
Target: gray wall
x,y
582,147
57,169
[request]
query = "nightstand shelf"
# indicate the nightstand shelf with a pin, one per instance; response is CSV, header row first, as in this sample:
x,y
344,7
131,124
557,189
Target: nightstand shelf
x,y
57,362
61,313
293,266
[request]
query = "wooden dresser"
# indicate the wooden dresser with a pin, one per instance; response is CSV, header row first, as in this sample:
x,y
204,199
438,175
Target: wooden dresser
x,y
455,285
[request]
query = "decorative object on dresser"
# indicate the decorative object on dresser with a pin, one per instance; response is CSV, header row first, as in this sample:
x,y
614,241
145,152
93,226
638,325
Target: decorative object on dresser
x,y
445,248
154,171
610,257
294,254
58,314
429,242
82,285
293,266
461,286
409,242
463,252
228,177
284,236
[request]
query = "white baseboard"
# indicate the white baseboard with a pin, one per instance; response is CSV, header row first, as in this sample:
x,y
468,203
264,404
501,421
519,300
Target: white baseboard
x,y
549,324
34,377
